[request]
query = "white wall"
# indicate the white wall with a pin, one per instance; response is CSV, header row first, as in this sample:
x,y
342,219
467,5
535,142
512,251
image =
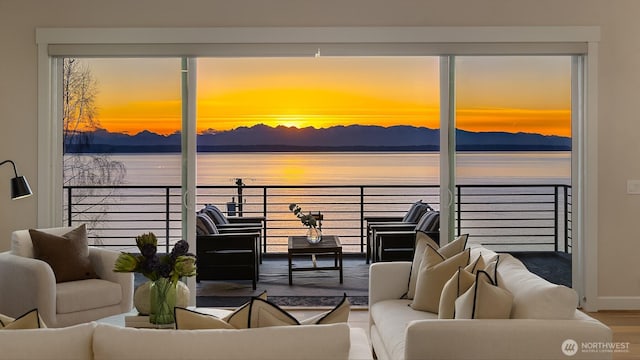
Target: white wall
x,y
619,84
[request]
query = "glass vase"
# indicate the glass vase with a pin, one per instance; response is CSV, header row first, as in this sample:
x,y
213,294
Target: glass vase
x,y
314,235
163,299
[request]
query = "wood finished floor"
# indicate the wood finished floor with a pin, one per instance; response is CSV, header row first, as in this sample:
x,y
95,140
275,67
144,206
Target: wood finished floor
x,y
625,326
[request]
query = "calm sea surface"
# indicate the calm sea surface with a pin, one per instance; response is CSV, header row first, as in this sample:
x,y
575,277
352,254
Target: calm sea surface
x,y
341,206
361,168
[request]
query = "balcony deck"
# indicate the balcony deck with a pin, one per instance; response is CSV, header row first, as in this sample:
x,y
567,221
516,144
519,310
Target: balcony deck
x,y
322,288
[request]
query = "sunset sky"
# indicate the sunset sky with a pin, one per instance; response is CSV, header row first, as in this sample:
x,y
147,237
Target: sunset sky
x,y
514,94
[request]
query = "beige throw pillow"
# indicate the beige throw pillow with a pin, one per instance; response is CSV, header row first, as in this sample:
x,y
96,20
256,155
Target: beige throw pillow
x,y
191,320
68,255
339,314
459,283
29,320
484,300
239,319
262,313
422,240
434,273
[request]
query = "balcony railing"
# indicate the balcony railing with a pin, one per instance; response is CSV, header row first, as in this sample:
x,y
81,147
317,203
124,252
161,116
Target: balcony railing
x,y
503,217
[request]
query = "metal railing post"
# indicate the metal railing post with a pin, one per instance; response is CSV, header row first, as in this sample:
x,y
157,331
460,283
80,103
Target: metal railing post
x,y
556,234
264,214
69,206
362,219
566,219
167,217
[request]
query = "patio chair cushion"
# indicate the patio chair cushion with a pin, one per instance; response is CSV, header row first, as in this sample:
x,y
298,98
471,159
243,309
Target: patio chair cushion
x,y
68,255
435,271
429,222
216,215
415,212
204,225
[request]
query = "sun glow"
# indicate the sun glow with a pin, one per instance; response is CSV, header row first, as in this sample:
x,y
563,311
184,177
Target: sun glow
x,y
499,94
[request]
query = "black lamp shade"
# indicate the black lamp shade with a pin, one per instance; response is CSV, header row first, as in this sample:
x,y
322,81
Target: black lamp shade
x,y
20,188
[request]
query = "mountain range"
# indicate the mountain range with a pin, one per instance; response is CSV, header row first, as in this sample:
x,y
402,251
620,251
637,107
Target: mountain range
x,y
337,138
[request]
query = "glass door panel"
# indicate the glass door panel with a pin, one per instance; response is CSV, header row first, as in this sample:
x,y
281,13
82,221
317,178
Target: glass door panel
x,y
513,154
345,136
122,145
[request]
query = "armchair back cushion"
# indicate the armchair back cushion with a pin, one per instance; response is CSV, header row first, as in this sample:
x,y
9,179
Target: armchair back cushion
x,y
68,255
21,244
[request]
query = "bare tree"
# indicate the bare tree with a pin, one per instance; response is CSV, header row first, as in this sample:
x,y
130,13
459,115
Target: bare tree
x,y
80,90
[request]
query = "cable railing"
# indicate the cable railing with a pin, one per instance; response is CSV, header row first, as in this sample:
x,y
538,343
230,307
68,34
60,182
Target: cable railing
x,y
503,217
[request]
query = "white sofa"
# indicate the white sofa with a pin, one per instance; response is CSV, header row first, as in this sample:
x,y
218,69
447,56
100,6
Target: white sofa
x,y
104,341
543,317
27,283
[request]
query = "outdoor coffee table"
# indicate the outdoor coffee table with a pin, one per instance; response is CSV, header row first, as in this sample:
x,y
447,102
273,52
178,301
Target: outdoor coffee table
x,y
330,244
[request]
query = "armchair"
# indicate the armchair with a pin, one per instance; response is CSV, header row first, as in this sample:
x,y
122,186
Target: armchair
x,y
231,254
397,242
29,283
406,222
232,223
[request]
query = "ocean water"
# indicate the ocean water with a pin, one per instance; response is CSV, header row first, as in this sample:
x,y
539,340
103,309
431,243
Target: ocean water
x,y
359,168
131,212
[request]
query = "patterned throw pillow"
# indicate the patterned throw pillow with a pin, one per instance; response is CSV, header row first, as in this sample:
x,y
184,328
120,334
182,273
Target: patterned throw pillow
x,y
216,215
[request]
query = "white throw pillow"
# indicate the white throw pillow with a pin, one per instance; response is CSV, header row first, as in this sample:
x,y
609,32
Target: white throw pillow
x,y
339,314
192,320
422,241
484,300
434,273
459,283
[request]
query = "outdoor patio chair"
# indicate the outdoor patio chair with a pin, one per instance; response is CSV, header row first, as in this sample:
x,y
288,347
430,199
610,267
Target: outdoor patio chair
x,y
407,222
397,244
226,224
232,255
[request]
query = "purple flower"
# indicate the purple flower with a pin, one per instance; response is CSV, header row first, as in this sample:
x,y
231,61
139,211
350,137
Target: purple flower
x,y
179,249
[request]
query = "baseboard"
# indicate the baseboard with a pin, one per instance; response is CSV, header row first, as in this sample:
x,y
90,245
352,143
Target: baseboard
x,y
619,302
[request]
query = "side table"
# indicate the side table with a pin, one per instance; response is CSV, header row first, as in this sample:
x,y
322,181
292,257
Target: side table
x,y
330,244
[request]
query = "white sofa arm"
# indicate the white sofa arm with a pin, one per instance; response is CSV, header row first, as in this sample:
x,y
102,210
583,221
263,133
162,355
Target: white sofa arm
x,y
27,284
504,339
388,280
103,261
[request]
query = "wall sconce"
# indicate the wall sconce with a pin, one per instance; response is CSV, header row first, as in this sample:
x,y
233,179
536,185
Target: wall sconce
x,y
19,185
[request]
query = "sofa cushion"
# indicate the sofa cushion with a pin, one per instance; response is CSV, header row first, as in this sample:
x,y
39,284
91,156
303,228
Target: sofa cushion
x,y
392,318
83,295
422,240
317,342
68,255
484,300
69,343
340,313
29,320
534,297
434,273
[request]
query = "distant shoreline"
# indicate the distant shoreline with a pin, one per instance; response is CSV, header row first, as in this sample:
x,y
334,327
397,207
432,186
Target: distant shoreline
x,y
111,149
